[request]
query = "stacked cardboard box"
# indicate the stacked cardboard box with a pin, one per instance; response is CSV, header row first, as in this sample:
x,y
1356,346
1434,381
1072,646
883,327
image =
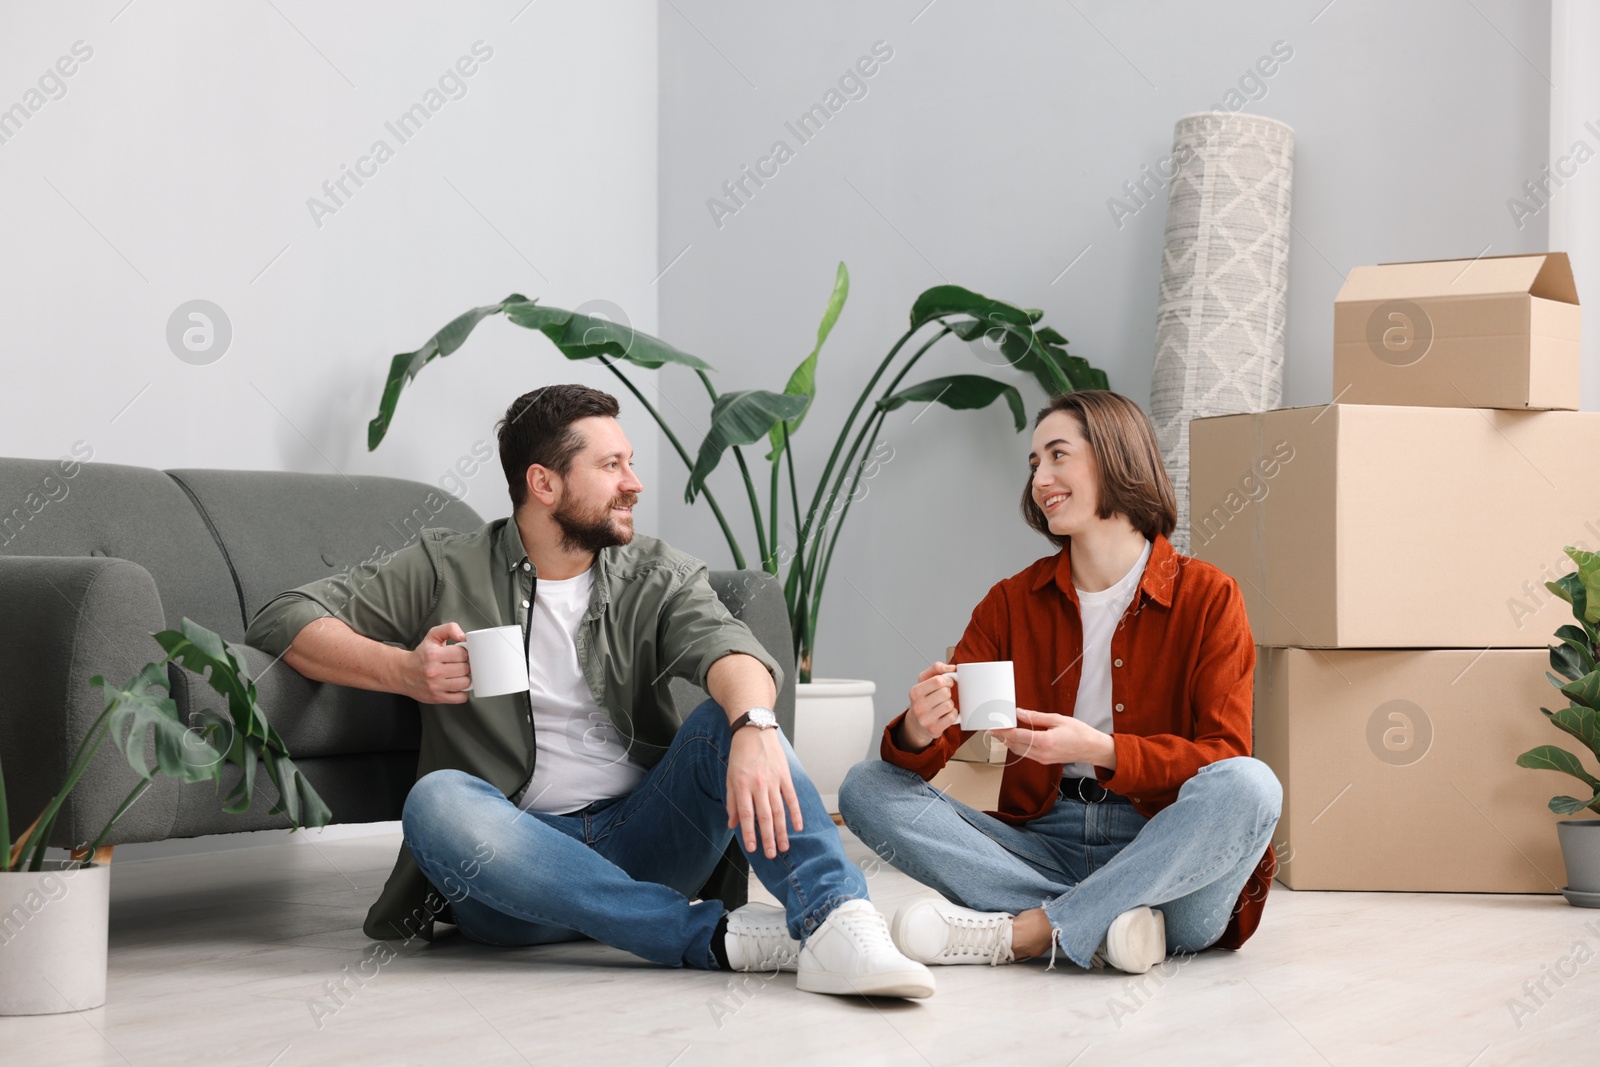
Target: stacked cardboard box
x,y
1392,548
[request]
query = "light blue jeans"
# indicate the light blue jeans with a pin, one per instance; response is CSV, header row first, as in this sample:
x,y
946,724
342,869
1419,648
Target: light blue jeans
x,y
619,871
1084,864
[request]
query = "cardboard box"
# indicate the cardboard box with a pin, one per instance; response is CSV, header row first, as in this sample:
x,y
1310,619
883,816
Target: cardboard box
x,y
976,785
1494,332
1368,526
1399,769
981,747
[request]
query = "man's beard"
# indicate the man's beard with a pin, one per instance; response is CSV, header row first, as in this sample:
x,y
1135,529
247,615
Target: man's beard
x,y
591,531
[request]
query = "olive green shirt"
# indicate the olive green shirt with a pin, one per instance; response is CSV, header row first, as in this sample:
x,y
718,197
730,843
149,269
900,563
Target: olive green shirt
x,y
652,616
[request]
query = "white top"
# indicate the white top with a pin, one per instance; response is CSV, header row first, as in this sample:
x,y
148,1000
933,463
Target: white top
x,y
581,756
1101,612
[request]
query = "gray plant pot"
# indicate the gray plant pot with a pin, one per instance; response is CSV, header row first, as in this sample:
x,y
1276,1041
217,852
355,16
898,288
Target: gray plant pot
x,y
53,925
1580,848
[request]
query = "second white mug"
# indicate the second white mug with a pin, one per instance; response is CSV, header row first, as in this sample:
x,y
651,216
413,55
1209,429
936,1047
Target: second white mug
x,y
987,695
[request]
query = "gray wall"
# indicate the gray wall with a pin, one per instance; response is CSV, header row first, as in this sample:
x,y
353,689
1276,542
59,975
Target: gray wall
x,y
176,162
983,154
179,162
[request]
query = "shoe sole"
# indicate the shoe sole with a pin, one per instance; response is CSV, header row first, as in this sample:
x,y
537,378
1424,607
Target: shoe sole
x,y
1137,940
908,984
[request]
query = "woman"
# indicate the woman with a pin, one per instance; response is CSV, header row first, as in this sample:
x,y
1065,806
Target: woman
x,y
1132,820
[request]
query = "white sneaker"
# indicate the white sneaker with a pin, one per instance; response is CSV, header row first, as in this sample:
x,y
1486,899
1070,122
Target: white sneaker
x,y
852,952
758,940
933,930
1136,942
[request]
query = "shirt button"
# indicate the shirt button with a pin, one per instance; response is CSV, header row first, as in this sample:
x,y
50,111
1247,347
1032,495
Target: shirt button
x,y
1119,707
1116,663
525,604
527,566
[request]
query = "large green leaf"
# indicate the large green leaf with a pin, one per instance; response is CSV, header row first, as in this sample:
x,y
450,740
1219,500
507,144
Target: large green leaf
x,y
803,382
404,367
1041,353
740,418
1565,805
943,300
1585,690
1589,574
1551,758
581,336
137,711
578,336
1569,587
961,392
1574,657
1580,723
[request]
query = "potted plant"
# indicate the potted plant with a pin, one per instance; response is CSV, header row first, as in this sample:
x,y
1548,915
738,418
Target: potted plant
x,y
841,709
1575,664
53,913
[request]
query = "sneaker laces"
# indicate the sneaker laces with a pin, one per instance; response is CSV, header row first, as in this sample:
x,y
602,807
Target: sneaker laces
x,y
770,944
980,937
866,926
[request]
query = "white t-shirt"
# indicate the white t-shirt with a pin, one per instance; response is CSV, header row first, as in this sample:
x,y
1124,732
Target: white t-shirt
x,y
1101,612
581,756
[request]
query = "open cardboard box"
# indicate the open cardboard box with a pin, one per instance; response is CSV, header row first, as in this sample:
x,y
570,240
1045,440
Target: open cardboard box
x,y
1493,332
976,785
1399,768
1370,526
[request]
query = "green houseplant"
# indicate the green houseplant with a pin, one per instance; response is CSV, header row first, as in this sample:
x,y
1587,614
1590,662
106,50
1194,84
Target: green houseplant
x,y
749,416
1575,671
53,915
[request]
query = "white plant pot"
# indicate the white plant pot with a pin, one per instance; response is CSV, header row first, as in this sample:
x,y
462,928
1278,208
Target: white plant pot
x,y
833,726
53,926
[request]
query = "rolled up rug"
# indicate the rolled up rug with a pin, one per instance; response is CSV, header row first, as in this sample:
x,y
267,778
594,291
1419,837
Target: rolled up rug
x,y
1224,282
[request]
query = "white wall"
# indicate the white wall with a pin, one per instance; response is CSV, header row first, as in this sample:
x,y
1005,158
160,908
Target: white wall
x,y
983,154
178,165
1572,203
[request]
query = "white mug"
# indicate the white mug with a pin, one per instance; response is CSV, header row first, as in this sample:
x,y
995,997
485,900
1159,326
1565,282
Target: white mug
x,y
498,663
988,695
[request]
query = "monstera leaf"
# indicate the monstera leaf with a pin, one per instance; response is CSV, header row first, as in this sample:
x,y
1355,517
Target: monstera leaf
x,y
253,739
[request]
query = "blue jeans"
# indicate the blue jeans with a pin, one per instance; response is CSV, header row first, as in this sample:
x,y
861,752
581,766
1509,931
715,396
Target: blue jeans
x,y
619,871
1084,864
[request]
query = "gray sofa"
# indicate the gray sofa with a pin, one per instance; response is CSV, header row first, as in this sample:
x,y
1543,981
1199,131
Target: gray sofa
x,y
94,557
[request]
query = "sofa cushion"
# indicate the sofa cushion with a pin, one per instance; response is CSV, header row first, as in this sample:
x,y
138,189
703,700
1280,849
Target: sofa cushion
x,y
133,513
282,530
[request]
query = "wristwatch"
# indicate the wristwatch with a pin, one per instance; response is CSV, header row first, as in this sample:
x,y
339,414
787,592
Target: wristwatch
x,y
760,718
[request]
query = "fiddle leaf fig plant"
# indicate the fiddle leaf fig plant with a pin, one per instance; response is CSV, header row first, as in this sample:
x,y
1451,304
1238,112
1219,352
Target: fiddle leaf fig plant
x,y
1000,334
1573,671
194,751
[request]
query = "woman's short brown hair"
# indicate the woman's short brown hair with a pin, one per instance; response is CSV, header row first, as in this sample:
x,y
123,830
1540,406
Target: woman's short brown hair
x,y
1133,480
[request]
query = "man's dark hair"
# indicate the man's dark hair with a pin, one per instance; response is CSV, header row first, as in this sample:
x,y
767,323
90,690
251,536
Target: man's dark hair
x,y
538,429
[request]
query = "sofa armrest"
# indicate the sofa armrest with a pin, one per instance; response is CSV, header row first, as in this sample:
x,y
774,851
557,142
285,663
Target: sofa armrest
x,y
67,619
755,598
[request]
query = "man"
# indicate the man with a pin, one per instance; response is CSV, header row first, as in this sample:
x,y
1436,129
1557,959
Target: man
x,y
584,807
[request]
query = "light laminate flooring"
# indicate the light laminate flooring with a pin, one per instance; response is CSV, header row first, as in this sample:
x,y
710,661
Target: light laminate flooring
x,y
221,959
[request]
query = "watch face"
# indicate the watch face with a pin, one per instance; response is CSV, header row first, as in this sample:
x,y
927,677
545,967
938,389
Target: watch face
x,y
763,717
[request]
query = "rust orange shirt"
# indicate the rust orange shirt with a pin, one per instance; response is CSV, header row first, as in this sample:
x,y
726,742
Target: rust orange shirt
x,y
1182,672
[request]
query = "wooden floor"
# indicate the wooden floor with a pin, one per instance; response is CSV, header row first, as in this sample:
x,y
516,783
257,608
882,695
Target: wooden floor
x,y
224,959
